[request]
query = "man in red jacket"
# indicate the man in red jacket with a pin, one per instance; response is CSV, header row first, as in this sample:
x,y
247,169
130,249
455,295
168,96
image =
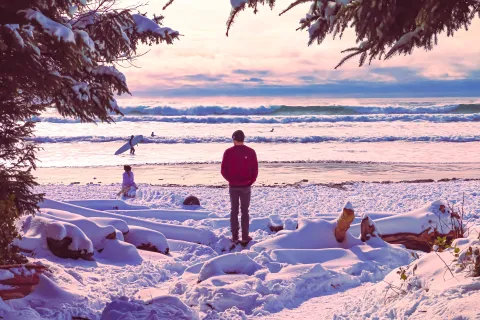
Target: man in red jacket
x,y
240,169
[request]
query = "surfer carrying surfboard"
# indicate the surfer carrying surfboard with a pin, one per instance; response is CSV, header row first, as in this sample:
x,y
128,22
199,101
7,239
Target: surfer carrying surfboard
x,y
132,149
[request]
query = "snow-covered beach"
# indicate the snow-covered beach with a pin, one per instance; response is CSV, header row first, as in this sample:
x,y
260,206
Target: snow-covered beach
x,y
278,284
417,156
272,174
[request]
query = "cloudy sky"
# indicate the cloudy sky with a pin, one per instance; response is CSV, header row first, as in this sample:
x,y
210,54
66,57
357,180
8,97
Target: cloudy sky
x,y
264,55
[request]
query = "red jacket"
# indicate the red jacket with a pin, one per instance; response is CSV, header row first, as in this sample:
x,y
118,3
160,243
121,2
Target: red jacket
x,y
240,166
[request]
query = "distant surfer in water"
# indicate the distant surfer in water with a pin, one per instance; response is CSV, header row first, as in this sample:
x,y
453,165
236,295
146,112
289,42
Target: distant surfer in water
x,y
128,181
271,130
153,134
132,149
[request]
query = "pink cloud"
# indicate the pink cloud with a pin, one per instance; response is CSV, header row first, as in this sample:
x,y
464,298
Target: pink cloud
x,y
268,42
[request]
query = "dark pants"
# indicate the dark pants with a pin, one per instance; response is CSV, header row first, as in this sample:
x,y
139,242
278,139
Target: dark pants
x,y
240,196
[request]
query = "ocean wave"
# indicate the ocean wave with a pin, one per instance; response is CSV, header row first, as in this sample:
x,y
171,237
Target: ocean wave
x,y
283,110
260,139
435,118
273,162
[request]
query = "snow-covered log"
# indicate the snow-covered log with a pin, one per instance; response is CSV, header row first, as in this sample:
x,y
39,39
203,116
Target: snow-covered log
x,y
63,239
146,239
196,235
344,221
416,230
18,281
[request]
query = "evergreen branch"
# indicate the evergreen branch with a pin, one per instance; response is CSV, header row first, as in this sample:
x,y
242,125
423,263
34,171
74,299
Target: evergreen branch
x,y
296,3
168,4
348,57
232,16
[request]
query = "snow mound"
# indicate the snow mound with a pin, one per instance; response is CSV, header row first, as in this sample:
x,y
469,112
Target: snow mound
x,y
162,307
116,251
147,239
428,288
104,205
191,252
232,263
118,224
173,215
311,234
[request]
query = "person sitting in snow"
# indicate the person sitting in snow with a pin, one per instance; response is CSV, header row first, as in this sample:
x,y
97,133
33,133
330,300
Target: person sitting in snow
x,y
240,169
128,181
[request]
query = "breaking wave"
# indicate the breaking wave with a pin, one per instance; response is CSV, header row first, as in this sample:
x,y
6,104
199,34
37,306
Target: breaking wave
x,y
436,118
301,110
261,139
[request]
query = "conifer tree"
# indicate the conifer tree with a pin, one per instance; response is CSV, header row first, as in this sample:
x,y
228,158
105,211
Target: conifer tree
x,y
58,54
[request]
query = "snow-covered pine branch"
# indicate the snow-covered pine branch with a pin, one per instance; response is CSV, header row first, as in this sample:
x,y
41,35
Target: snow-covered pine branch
x,y
73,40
384,28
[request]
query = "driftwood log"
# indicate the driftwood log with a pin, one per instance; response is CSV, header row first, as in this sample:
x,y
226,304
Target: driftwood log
x,y
343,223
152,248
367,229
423,241
418,241
23,283
61,249
275,228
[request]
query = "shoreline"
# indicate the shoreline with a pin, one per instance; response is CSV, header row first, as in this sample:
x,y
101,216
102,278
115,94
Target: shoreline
x,y
336,175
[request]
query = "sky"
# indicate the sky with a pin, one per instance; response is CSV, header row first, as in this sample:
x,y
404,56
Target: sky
x,y
264,55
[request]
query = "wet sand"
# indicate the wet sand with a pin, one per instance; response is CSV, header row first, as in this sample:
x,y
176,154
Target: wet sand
x,y
271,174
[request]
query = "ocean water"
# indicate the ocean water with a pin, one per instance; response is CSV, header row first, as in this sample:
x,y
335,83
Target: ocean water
x,y
290,130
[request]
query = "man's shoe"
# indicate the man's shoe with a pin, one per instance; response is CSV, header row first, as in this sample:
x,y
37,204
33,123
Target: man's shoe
x,y
245,242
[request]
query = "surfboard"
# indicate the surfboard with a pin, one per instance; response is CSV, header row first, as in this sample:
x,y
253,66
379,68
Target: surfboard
x,y
126,146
